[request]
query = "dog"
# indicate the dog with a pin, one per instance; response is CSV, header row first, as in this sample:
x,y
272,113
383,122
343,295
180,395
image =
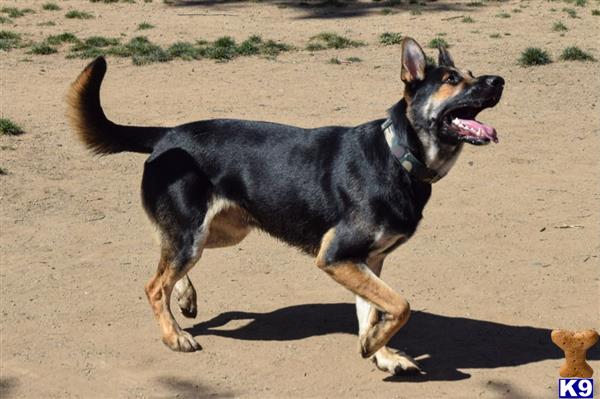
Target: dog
x,y
346,195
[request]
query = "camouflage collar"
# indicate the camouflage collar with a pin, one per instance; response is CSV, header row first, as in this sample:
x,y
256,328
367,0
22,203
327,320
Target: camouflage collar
x,y
405,157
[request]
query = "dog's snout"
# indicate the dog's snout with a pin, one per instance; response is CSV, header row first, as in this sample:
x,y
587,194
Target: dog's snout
x,y
494,81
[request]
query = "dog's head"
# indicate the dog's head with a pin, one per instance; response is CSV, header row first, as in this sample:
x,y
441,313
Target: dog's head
x,y
443,101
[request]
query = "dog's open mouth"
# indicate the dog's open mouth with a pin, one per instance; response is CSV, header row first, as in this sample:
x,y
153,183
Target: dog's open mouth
x,y
462,122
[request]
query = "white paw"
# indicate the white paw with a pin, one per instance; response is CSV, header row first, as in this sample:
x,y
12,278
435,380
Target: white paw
x,y
395,362
181,342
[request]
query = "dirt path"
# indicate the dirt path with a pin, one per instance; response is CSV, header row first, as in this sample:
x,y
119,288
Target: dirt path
x,y
508,249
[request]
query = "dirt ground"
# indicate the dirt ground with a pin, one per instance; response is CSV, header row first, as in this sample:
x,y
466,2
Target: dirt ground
x,y
507,251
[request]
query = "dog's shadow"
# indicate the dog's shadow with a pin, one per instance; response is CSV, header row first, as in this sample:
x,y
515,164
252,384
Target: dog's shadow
x,y
449,343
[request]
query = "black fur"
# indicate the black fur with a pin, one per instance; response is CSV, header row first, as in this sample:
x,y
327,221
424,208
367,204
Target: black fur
x,y
295,183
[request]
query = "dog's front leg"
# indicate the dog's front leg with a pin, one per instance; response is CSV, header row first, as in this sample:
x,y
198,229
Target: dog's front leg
x,y
358,278
386,359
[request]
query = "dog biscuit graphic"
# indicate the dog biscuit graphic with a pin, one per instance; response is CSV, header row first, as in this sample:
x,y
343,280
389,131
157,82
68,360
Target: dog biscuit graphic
x,y
575,345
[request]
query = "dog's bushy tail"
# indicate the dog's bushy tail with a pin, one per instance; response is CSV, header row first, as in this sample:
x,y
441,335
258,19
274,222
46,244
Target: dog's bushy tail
x,y
91,125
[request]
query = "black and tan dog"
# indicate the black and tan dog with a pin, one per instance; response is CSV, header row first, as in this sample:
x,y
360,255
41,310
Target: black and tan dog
x,y
346,195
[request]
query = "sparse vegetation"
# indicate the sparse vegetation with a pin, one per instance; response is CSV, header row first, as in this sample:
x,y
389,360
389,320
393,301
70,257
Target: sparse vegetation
x,y
75,14
51,7
579,3
14,12
503,15
387,11
66,37
495,35
142,51
9,40
437,42
145,25
328,40
335,61
467,20
576,54
596,12
389,38
475,4
9,128
353,59
42,48
570,12
559,27
4,20
534,56
47,23
430,60
3,172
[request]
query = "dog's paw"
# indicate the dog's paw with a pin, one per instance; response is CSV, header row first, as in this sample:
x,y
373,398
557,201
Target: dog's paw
x,y
395,362
187,306
186,298
181,342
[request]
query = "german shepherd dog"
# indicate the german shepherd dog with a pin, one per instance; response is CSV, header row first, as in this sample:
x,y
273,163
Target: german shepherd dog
x,y
346,195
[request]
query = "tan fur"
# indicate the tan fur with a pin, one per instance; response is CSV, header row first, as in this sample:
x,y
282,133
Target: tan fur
x,y
228,227
77,104
359,279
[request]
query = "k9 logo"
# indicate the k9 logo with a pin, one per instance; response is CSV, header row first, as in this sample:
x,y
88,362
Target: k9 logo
x,y
575,388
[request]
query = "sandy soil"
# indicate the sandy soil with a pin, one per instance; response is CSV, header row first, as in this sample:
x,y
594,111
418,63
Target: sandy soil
x,y
490,272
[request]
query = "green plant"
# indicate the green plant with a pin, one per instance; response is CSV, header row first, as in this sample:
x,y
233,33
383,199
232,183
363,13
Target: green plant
x,y
42,48
429,60
184,50
14,12
145,25
47,23
4,20
335,61
9,40
389,38
576,54
503,15
9,128
596,12
467,20
475,4
559,27
327,40
50,7
3,172
534,56
145,52
353,59
387,11
570,12
75,14
437,42
495,35
66,37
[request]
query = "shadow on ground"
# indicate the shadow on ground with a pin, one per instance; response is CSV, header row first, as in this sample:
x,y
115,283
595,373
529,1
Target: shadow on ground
x,y
8,386
334,8
186,389
452,343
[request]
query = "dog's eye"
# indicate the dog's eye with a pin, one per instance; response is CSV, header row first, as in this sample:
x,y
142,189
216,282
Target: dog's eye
x,y
452,79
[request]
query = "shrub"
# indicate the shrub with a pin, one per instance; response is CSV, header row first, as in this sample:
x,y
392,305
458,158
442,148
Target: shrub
x,y
576,54
534,56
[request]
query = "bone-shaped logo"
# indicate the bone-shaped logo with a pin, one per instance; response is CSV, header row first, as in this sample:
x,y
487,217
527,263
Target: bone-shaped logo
x,y
575,345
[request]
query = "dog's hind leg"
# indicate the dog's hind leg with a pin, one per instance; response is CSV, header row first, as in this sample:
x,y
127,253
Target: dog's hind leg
x,y
386,359
176,196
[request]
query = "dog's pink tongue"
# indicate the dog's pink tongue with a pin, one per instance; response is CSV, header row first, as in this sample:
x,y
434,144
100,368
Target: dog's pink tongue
x,y
486,130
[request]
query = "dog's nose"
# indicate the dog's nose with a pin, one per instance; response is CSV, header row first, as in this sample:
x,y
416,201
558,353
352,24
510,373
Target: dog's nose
x,y
494,81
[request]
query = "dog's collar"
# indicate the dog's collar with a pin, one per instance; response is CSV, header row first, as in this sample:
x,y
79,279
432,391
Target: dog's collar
x,y
405,157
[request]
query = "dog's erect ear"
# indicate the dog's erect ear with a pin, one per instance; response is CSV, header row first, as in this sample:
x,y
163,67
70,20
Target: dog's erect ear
x,y
413,61
445,59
